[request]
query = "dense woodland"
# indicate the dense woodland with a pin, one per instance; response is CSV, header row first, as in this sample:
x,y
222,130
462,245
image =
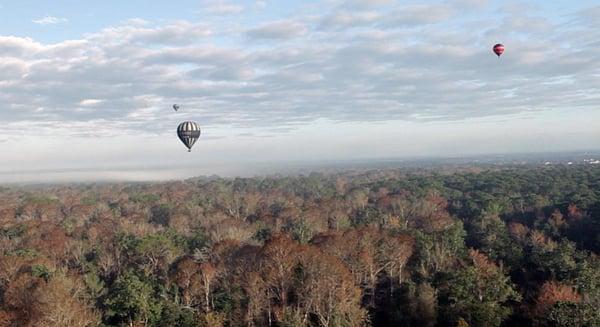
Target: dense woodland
x,y
475,247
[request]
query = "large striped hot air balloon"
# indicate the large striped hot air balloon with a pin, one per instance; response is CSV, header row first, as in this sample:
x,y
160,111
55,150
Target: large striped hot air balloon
x,y
188,132
498,49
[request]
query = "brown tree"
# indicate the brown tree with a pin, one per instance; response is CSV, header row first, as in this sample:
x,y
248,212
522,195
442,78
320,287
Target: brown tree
x,y
518,231
184,275
278,260
369,252
59,302
552,292
327,290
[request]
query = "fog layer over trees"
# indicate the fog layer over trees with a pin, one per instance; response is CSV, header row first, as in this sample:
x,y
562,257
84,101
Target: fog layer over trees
x,y
478,247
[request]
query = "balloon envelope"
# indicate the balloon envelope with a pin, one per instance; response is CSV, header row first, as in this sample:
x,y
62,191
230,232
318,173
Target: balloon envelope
x,y
188,132
498,49
175,107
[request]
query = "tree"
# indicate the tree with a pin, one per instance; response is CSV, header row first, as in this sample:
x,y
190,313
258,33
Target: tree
x,y
490,235
395,251
173,314
46,299
184,275
155,253
478,293
326,289
207,276
278,260
552,292
370,254
59,302
259,300
160,214
432,214
570,314
556,260
439,251
130,299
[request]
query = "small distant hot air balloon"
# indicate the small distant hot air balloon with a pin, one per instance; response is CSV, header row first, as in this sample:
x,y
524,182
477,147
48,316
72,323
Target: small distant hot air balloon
x,y
499,49
175,107
188,132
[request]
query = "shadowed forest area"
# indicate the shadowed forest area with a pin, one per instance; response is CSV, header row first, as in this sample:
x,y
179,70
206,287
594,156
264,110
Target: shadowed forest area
x,y
472,247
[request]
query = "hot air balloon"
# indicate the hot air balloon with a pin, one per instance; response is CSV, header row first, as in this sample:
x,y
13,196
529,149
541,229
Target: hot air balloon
x,y
188,132
175,107
499,49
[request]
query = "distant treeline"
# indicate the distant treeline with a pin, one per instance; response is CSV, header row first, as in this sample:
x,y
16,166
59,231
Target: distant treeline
x,y
390,247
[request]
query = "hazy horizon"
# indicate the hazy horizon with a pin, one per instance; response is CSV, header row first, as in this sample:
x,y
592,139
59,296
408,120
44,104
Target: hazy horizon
x,y
158,172
87,89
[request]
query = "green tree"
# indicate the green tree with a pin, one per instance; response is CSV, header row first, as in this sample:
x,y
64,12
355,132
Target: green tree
x,y
569,314
155,253
160,214
130,299
479,293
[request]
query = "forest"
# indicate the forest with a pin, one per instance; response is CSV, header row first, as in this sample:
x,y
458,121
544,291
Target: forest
x,y
487,246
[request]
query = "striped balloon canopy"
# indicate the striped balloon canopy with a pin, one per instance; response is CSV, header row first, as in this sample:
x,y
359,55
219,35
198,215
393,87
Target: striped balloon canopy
x,y
188,132
498,49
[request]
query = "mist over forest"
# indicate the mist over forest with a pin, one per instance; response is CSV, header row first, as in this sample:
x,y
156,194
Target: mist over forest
x,y
151,171
506,245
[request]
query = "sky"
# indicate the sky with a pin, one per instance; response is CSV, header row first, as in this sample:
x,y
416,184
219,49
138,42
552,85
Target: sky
x,y
86,89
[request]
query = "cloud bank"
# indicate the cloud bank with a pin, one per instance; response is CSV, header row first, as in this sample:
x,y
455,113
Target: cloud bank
x,y
351,61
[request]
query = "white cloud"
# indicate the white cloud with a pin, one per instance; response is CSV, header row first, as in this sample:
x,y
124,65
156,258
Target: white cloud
x,y
175,33
345,19
279,30
415,15
137,22
365,3
90,102
221,7
470,4
18,47
340,64
50,20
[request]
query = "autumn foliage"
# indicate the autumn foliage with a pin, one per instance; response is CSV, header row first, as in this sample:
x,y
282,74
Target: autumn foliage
x,y
483,247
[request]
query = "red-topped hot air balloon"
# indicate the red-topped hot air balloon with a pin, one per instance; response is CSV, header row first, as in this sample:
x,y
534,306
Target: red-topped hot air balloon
x,y
499,49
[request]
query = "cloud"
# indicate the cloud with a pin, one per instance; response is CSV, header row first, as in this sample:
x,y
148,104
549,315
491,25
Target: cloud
x,y
360,13
137,31
345,19
50,20
90,102
379,62
469,4
279,30
415,15
18,47
221,7
364,3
